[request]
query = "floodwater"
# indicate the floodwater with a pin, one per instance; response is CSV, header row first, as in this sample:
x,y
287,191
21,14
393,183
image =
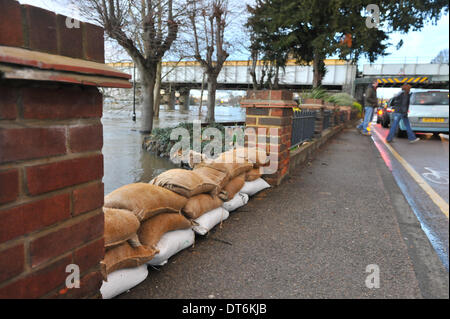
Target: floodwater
x,y
125,161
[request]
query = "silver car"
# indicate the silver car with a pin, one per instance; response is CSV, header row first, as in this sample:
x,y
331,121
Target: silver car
x,y
428,112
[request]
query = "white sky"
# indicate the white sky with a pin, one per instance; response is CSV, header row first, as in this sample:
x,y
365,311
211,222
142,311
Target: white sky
x,y
422,46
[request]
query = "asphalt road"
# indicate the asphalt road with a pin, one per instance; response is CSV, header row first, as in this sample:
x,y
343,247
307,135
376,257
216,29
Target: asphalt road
x,y
430,159
318,235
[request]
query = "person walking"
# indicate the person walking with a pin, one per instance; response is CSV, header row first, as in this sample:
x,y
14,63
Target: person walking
x,y
370,103
401,105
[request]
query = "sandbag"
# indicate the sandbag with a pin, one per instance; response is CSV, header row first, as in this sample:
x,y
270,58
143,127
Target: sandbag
x,y
186,183
123,280
256,156
234,186
120,225
218,177
125,256
251,188
145,200
155,227
252,175
198,205
232,169
239,200
207,221
172,243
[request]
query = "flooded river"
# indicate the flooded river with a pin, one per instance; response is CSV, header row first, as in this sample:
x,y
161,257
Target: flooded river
x,y
125,161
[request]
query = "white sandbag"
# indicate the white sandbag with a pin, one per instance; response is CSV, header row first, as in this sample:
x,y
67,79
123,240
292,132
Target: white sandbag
x,y
123,280
251,188
207,221
171,243
239,200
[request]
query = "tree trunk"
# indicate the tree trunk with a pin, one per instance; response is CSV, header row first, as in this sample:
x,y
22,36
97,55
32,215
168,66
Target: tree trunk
x,y
157,95
316,77
201,96
148,89
212,87
253,70
317,69
276,81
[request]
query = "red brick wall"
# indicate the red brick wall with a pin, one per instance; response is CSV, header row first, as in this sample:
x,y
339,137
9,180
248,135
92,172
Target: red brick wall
x,y
41,30
51,191
51,164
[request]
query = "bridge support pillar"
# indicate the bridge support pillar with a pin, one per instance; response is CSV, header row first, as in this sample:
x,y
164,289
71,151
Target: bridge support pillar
x,y
269,114
184,99
171,100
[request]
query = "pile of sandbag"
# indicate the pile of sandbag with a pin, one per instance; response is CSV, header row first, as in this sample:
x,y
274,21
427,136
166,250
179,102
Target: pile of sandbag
x,y
137,216
146,224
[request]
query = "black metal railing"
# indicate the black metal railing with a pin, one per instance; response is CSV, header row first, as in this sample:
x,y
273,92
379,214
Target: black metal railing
x,y
326,120
303,125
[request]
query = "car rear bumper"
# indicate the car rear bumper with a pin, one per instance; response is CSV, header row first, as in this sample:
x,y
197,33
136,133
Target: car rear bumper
x,y
430,129
419,126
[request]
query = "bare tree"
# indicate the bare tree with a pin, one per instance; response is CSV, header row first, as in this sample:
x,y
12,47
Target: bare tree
x,y
146,29
208,21
441,58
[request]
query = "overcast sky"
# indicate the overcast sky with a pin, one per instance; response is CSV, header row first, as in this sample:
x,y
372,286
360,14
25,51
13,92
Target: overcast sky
x,y
425,44
422,46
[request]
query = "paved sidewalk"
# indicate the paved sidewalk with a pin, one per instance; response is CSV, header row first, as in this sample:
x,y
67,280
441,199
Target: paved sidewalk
x,y
311,237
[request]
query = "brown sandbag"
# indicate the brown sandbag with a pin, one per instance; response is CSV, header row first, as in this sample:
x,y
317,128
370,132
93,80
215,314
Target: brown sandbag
x,y
256,156
120,225
125,256
154,228
253,175
234,186
231,169
218,177
145,200
185,183
201,204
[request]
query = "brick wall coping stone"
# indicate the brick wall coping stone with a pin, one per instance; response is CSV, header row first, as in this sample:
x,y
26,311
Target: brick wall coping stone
x,y
70,69
268,103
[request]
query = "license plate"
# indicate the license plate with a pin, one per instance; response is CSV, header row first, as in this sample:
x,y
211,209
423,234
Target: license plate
x,y
433,120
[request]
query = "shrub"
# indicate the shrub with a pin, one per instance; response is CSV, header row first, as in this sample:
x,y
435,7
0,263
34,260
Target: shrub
x,y
341,99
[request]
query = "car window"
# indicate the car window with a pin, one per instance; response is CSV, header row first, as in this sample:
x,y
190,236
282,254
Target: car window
x,y
429,98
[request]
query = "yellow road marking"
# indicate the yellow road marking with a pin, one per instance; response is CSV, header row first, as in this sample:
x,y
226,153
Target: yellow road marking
x,y
438,200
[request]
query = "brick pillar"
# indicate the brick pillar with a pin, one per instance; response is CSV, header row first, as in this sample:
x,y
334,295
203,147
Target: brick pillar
x,y
347,112
51,163
271,109
319,107
334,118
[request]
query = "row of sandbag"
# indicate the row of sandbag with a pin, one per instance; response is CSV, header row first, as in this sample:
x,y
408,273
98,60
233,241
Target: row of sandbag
x,y
148,223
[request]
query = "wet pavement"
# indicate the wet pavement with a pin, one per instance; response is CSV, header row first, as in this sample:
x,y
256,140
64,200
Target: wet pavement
x,y
318,235
429,158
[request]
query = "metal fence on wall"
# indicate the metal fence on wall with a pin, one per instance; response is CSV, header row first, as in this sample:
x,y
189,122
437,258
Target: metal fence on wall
x,y
303,125
326,119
